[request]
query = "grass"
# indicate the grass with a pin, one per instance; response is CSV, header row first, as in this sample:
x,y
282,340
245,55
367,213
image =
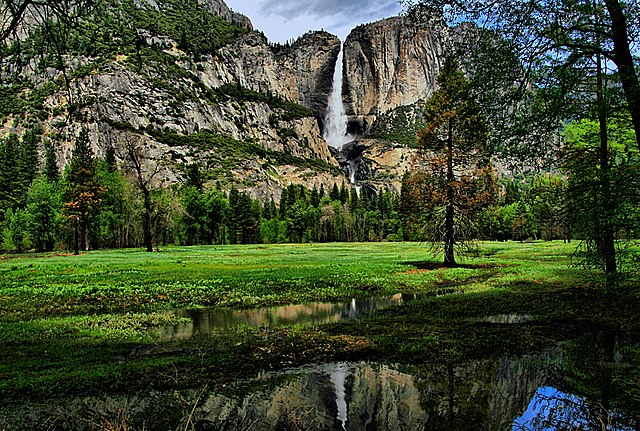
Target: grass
x,y
79,324
234,276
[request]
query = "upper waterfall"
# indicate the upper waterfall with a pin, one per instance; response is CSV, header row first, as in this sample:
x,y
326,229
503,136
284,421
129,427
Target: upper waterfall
x,y
335,130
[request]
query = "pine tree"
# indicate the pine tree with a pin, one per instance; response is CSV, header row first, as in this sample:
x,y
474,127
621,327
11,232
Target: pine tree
x,y
82,194
334,194
244,217
457,136
43,204
217,207
51,170
110,159
9,192
15,234
27,166
194,177
344,193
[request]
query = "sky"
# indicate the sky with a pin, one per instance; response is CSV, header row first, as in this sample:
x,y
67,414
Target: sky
x,y
282,20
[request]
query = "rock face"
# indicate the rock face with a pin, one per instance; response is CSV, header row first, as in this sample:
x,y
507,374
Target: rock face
x,y
302,72
379,165
388,64
219,7
313,57
390,69
187,95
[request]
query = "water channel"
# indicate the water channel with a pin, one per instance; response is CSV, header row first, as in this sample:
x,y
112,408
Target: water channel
x,y
211,321
585,384
589,383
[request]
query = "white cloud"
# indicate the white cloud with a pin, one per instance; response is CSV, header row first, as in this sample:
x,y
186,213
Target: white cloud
x,y
335,9
282,20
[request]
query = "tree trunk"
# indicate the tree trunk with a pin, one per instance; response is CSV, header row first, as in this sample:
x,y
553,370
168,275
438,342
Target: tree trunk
x,y
146,220
84,228
449,236
76,238
607,240
624,60
451,388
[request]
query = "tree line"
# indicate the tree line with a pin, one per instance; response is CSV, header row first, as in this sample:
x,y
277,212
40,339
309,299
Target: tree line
x,y
120,201
117,201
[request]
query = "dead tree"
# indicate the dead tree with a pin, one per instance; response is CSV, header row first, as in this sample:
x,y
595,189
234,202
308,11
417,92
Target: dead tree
x,y
145,172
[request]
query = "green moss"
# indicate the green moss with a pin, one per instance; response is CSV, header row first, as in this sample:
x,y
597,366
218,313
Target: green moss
x,y
219,149
285,110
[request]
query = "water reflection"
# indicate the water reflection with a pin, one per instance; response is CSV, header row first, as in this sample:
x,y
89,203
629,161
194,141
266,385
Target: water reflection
x,y
508,319
215,321
586,384
551,407
338,377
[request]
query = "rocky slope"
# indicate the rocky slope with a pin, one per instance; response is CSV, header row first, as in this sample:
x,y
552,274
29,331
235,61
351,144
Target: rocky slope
x,y
253,95
220,8
247,90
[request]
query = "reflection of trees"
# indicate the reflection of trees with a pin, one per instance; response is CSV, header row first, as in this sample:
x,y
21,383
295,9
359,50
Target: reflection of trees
x,y
594,385
605,372
595,381
457,397
558,410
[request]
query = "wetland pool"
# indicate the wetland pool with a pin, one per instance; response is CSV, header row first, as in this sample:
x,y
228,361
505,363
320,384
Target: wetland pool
x,y
588,383
212,321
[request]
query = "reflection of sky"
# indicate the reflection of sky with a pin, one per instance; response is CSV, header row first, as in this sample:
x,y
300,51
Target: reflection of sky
x,y
552,409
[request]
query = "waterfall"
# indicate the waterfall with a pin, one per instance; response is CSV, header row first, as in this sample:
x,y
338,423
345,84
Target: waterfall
x,y
338,377
353,167
335,121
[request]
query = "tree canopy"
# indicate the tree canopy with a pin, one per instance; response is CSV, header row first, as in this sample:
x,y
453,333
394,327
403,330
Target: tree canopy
x,y
551,37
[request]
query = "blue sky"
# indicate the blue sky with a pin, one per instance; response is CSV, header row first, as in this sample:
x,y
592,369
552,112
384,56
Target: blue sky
x,y
282,20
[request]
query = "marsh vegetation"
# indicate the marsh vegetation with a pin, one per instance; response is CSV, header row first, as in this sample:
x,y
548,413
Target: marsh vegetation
x,y
123,337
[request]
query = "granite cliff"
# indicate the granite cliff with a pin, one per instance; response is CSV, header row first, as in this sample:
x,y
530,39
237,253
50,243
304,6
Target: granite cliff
x,y
264,102
175,89
390,70
389,64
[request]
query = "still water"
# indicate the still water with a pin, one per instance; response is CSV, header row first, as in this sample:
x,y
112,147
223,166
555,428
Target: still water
x,y
210,321
591,383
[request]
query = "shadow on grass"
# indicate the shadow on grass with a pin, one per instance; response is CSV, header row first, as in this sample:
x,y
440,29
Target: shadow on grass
x,y
433,266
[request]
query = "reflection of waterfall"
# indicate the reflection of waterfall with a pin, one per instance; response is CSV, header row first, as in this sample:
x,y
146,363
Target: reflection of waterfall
x,y
338,377
335,122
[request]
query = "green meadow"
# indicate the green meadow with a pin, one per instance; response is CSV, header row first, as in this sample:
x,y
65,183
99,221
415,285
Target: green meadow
x,y
87,324
35,286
